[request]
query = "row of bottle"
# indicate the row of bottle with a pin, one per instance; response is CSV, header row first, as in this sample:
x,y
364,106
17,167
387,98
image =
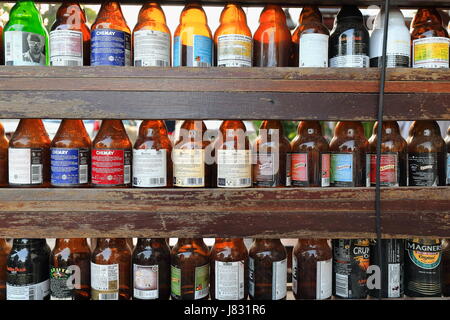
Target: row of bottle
x,y
110,41
190,271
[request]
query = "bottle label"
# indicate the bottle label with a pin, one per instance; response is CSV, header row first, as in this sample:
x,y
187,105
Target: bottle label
x,y
294,274
66,48
313,50
69,166
288,170
300,169
389,170
229,280
105,281
431,52
188,167
423,169
279,279
398,51
110,48
350,61
58,284
251,276
111,167
394,271
149,168
198,55
424,256
201,282
24,49
175,283
151,48
145,282
267,168
234,169
448,168
342,168
234,50
324,279
36,291
326,169
25,165
393,61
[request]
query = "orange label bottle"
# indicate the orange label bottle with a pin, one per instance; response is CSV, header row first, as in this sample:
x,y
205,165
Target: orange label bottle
x,y
4,143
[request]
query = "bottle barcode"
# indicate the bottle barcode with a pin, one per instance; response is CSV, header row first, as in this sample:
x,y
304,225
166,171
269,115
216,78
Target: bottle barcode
x,y
83,174
201,64
31,293
72,63
158,181
8,50
36,173
342,285
245,181
108,296
127,174
194,181
161,63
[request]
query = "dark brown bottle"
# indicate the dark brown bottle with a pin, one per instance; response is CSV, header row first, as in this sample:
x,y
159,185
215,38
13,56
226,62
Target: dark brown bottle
x,y
446,267
70,259
29,155
229,269
5,248
447,141
4,144
189,270
111,270
267,270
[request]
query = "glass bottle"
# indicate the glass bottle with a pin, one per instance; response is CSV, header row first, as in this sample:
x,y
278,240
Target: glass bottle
x,y
70,259
111,270
25,37
5,248
29,155
189,269
229,269
111,156
4,144
110,37
447,141
151,269
70,37
2,58
446,267
151,37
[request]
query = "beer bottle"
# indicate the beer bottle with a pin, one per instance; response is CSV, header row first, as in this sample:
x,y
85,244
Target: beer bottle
x,y
27,275
5,248
25,37
234,168
446,267
233,38
229,269
348,155
29,155
447,140
151,269
2,58
426,154
111,270
189,269
312,269
393,156
398,51
69,155
111,156
70,276
4,143
192,43
423,268
152,156
310,40
70,38
272,166
151,38
267,270
110,37
310,159
272,45
430,40
349,40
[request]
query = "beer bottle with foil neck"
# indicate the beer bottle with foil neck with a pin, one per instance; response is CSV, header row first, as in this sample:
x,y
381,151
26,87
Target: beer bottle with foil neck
x,y
4,144
233,38
229,269
193,43
152,156
70,259
111,156
111,270
310,40
447,140
272,39
430,40
110,37
151,269
5,248
310,157
70,37
152,38
29,155
312,269
445,267
426,154
70,155
190,269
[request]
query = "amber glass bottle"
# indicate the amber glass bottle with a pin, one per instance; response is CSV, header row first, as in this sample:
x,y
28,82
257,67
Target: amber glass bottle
x,y
110,37
111,270
426,154
310,159
151,38
193,43
447,140
70,258
190,269
29,155
152,156
446,267
233,38
4,144
430,41
111,156
5,248
272,45
70,38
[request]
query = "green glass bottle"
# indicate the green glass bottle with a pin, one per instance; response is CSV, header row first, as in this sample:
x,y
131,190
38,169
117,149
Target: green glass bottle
x,y
25,37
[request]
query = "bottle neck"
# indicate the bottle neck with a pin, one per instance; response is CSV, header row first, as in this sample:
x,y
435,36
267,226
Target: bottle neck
x,y
313,242
150,128
149,242
24,242
71,242
111,242
151,12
